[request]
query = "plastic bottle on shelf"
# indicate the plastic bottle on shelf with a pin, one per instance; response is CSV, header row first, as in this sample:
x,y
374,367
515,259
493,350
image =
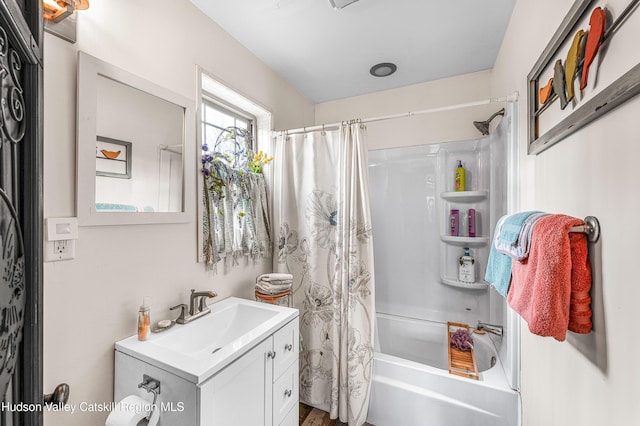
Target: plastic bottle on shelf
x,y
472,222
454,222
460,178
466,270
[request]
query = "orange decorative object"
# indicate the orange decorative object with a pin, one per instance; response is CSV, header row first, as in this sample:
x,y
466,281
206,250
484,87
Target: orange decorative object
x,y
546,92
111,155
594,39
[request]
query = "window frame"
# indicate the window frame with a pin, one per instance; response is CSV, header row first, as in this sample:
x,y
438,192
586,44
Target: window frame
x,y
212,89
211,101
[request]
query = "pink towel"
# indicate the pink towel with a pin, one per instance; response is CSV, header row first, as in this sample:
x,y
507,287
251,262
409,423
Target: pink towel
x,y
541,286
580,303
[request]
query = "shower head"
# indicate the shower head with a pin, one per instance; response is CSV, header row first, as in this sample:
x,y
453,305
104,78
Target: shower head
x,y
483,126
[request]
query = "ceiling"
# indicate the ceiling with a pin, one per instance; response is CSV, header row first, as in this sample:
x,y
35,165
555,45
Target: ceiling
x,y
327,53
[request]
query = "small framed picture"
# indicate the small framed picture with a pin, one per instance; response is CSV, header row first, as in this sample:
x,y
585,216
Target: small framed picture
x,y
113,158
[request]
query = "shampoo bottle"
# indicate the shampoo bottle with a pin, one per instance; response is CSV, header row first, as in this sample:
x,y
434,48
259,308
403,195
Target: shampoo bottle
x,y
460,178
144,320
472,222
467,271
454,223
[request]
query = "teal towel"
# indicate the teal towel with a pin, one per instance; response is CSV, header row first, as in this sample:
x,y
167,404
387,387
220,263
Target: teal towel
x,y
498,266
512,226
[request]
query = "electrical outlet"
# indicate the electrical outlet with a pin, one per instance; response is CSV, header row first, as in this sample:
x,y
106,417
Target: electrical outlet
x,y
59,250
60,246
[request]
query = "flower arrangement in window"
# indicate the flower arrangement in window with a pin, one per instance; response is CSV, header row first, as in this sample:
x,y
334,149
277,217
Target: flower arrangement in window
x,y
259,160
236,215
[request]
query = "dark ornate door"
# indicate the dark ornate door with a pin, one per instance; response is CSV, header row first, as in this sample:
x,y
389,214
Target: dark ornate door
x,y
20,212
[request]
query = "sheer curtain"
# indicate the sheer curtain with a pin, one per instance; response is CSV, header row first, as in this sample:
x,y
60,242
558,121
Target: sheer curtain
x,y
323,220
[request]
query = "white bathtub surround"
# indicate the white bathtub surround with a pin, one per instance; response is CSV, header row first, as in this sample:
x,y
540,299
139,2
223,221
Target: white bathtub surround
x,y
412,387
416,266
322,212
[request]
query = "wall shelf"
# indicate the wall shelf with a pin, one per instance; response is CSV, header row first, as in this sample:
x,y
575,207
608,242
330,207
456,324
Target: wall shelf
x,y
464,196
465,241
478,285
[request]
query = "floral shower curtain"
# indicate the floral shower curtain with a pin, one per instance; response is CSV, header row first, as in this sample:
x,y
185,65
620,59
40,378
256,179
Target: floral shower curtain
x,y
322,212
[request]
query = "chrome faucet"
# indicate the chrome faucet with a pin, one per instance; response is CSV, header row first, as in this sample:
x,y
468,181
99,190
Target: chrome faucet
x,y
197,306
490,328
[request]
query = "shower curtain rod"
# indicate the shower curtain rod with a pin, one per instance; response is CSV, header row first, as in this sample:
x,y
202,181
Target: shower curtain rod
x,y
510,98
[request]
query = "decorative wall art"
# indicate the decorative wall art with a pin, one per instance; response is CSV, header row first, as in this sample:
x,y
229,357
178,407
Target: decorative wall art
x,y
113,158
578,78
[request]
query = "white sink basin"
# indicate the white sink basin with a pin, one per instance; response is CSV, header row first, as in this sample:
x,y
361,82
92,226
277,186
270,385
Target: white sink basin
x,y
217,329
199,349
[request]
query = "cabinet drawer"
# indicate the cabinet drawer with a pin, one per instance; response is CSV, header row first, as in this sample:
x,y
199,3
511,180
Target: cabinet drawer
x,y
285,394
291,418
286,343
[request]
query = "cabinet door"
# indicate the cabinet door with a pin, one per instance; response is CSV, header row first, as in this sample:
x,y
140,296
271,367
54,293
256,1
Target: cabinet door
x,y
285,393
286,343
238,394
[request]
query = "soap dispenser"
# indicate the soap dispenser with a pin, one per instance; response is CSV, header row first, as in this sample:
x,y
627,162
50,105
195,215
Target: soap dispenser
x,y
460,177
144,320
467,270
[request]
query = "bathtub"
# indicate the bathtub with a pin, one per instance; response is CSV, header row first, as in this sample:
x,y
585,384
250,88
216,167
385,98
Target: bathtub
x,y
412,386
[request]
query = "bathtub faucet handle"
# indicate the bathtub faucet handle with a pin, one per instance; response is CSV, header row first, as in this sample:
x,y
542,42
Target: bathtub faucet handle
x,y
490,328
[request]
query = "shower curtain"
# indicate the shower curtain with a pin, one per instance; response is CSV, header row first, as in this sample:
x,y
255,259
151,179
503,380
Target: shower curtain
x,y
321,209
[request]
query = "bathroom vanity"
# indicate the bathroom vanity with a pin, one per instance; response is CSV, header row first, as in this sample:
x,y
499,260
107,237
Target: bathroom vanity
x,y
237,365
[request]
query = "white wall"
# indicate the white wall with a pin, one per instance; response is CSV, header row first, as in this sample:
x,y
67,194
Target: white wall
x,y
419,129
91,302
592,172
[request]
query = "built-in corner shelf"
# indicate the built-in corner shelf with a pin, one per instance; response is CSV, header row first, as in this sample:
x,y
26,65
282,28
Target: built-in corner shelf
x,y
479,285
464,196
465,241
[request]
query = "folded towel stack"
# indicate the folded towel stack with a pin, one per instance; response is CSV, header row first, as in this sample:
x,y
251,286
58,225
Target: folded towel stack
x,y
274,283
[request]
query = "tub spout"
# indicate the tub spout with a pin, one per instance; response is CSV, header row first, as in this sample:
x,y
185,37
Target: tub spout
x,y
490,328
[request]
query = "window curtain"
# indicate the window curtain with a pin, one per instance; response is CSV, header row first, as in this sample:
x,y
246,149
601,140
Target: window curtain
x,y
236,216
322,214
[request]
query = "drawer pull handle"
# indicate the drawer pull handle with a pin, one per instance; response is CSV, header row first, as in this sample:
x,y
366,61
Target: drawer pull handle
x,y
288,347
271,354
288,393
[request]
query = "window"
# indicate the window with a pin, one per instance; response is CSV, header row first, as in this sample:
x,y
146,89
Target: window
x,y
234,215
227,133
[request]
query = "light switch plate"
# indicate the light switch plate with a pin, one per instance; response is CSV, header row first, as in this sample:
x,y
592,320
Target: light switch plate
x,y
61,228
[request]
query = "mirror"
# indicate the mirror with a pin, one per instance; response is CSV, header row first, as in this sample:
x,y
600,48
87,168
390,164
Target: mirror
x,y
135,149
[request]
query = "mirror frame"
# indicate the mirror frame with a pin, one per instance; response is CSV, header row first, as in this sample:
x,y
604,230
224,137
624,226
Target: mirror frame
x,y
89,69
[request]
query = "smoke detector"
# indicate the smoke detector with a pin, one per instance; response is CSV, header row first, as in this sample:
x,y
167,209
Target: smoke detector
x,y
383,69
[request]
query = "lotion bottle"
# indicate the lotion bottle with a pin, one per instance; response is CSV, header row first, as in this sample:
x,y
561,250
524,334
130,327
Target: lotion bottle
x,y
460,177
467,269
144,320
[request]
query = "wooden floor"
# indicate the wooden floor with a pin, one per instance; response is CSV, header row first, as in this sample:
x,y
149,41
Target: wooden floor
x,y
310,416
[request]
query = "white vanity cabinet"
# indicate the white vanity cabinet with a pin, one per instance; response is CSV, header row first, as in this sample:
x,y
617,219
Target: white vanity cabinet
x,y
236,366
258,389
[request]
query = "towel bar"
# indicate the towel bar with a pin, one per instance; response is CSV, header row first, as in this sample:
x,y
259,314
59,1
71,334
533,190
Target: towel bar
x,y
591,227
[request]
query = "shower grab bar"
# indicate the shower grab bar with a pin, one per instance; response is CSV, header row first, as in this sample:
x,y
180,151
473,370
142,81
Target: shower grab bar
x,y
591,227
